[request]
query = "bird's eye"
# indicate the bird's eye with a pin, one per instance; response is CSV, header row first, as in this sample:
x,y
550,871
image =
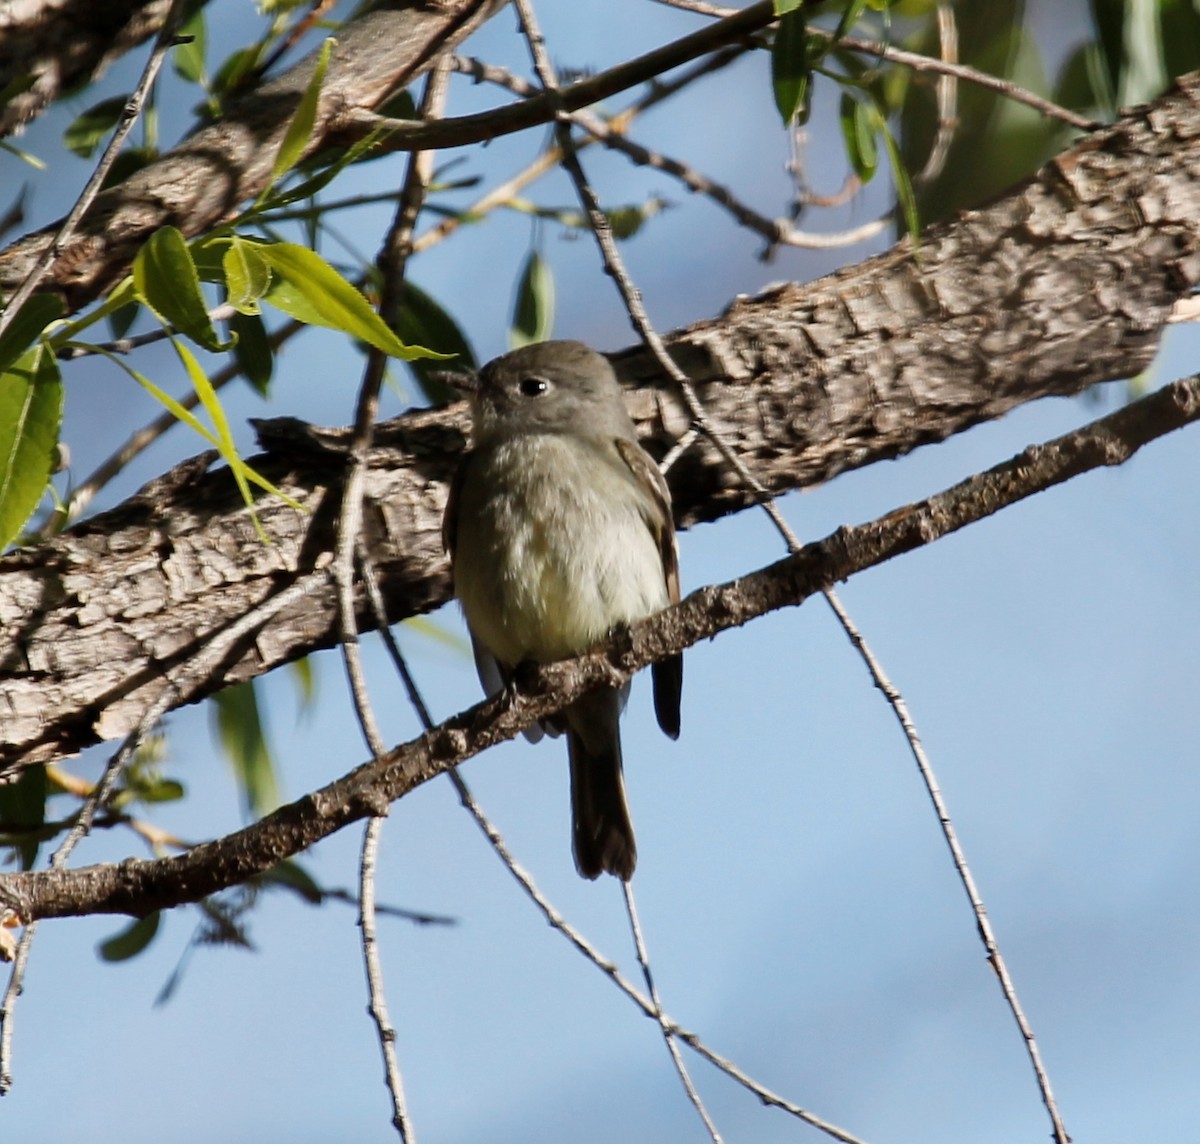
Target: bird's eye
x,y
534,386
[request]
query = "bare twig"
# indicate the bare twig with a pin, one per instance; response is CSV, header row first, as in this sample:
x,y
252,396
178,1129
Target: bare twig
x,y
392,260
643,956
162,45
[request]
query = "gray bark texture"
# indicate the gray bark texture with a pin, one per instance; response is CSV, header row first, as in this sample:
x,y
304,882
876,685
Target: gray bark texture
x,y
204,180
1063,282
61,45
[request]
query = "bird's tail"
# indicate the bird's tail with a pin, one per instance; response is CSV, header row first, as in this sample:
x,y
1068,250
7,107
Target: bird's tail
x,y
603,832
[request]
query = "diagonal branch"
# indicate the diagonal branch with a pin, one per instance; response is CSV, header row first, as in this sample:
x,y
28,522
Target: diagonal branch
x,y
203,181
1057,286
140,887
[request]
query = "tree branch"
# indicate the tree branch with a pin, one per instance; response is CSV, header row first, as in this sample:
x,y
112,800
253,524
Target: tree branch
x,y
1063,283
202,182
61,45
139,887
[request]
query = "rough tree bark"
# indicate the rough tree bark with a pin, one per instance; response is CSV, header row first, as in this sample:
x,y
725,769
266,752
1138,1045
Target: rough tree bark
x,y
204,180
63,44
1064,282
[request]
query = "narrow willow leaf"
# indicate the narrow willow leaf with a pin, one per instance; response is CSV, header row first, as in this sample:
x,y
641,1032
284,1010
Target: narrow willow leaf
x,y
783,7
300,129
239,728
305,676
292,876
858,131
252,349
188,58
166,279
131,940
533,312
27,326
317,294
904,187
23,806
247,275
242,473
84,134
423,319
790,70
31,403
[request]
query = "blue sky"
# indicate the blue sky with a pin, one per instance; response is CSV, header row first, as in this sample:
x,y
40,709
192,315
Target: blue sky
x,y
797,898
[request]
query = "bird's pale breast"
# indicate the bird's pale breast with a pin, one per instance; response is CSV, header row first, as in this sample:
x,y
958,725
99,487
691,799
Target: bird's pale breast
x,y
557,551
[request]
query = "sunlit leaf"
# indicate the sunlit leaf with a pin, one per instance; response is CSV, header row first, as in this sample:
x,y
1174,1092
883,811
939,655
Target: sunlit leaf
x,y
131,940
307,288
533,311
167,281
299,130
247,275
27,325
31,403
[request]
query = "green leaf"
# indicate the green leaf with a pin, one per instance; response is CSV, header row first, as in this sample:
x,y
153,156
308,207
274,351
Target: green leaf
x,y
300,129
247,275
533,312
83,136
242,473
783,7
252,349
27,325
23,804
120,321
305,676
292,876
239,728
858,131
422,319
161,790
904,187
308,289
235,68
31,403
166,278
188,58
131,940
790,70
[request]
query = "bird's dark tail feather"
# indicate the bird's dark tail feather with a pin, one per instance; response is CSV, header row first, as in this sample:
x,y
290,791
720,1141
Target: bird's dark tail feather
x,y
603,832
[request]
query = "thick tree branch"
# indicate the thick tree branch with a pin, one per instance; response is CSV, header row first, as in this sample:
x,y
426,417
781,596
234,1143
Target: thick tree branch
x,y
61,45
1065,282
204,180
140,887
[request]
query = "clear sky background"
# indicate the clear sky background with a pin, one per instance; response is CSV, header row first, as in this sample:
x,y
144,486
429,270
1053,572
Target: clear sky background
x,y
799,904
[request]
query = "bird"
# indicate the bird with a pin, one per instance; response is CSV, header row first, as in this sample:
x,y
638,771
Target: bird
x,y
559,531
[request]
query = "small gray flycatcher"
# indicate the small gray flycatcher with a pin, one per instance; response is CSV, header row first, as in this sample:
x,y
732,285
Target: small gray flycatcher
x,y
559,531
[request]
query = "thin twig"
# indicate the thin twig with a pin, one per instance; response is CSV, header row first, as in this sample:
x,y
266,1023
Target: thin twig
x,y
392,261
776,232
643,956
129,116
983,922
947,95
946,66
